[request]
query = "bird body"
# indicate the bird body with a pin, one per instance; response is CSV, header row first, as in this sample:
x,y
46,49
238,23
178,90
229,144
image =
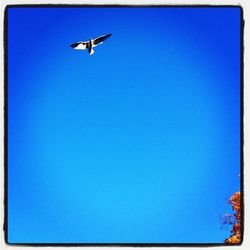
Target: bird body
x,y
90,44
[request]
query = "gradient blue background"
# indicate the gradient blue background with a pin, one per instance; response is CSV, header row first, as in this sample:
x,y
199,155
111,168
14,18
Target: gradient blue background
x,y
139,143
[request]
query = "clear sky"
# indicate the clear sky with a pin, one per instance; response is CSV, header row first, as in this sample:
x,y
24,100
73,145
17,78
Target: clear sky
x,y
138,143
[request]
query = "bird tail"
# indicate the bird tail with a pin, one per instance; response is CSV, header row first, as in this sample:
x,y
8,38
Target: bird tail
x,y
91,51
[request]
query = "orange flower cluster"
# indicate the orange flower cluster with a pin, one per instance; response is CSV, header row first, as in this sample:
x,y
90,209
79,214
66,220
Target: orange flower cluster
x,y
235,237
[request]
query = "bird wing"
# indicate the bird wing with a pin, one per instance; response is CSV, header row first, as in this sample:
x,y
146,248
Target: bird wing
x,y
101,39
79,45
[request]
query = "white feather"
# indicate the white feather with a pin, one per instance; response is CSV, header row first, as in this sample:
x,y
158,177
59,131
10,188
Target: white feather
x,y
81,46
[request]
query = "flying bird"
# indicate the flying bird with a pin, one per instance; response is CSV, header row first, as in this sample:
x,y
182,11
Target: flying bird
x,y
90,44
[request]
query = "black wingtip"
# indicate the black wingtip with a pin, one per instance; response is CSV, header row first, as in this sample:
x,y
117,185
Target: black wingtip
x,y
73,45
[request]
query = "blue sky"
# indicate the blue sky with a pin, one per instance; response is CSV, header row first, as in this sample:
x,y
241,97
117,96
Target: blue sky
x,y
138,143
